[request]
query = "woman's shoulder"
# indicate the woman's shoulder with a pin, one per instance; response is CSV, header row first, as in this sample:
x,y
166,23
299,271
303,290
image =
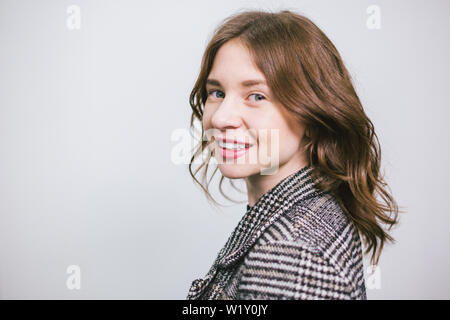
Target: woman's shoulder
x,y
311,252
313,220
318,226
320,219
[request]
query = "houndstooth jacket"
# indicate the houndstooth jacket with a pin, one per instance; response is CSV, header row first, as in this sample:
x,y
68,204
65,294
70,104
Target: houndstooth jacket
x,y
295,242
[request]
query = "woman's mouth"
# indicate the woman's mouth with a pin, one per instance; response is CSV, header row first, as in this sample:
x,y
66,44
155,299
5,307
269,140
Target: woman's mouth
x,y
233,150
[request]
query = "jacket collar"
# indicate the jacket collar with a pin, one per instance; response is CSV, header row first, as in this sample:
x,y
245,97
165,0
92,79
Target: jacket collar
x,y
294,188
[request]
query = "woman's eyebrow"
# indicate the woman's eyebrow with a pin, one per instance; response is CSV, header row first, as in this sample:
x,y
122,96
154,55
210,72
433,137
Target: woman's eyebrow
x,y
245,83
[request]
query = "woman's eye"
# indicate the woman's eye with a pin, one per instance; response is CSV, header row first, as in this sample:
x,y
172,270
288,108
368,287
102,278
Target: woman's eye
x,y
212,91
220,95
258,97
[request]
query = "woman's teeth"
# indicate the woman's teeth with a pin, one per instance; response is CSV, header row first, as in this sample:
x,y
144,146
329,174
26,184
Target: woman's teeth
x,y
232,146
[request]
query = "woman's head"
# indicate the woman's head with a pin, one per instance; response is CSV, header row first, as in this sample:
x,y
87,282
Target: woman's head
x,y
308,98
240,106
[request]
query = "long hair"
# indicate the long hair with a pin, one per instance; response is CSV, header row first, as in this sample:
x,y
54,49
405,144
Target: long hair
x,y
307,76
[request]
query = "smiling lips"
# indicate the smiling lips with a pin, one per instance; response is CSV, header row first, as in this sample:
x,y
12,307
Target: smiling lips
x,y
233,140
232,148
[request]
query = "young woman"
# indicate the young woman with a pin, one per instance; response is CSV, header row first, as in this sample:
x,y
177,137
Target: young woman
x,y
300,236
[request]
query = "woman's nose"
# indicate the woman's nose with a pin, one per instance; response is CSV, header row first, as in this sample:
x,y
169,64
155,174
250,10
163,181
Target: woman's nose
x,y
227,114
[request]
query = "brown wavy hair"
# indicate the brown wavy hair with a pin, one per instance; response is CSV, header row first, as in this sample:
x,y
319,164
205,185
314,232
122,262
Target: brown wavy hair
x,y
307,75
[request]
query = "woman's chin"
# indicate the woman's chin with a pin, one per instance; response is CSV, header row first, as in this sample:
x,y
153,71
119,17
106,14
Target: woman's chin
x,y
237,171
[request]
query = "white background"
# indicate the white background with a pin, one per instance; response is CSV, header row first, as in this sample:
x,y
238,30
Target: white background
x,y
86,117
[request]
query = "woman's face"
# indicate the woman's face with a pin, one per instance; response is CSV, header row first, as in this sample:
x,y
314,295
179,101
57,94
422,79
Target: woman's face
x,y
240,110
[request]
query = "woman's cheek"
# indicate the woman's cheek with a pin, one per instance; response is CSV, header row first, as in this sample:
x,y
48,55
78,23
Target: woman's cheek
x,y
206,118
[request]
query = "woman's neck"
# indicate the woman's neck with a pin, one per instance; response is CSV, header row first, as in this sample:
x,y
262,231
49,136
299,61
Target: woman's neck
x,y
258,184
